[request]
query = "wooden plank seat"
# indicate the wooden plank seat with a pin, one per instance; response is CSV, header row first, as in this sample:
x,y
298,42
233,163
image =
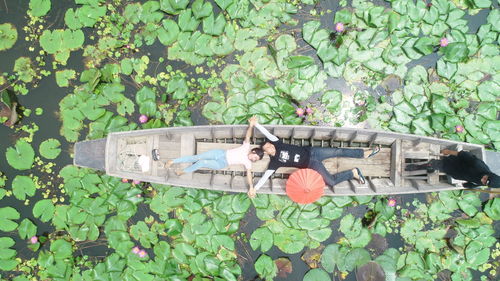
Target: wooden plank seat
x,y
377,166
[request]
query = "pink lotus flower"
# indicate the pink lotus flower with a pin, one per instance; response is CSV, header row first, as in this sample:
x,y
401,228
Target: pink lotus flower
x,y
309,110
142,253
339,27
459,128
443,42
143,119
33,240
124,180
136,250
136,182
299,112
138,196
391,202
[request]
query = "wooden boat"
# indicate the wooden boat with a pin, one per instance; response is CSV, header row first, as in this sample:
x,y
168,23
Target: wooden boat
x,y
118,155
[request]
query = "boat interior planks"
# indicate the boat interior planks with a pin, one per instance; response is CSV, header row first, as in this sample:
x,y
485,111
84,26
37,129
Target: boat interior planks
x,y
127,153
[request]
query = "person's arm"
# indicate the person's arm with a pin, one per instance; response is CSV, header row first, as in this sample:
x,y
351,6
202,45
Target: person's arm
x,y
251,191
266,133
449,152
264,178
251,123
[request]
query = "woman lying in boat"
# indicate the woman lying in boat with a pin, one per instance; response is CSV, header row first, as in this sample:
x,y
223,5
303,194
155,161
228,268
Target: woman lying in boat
x,y
288,155
219,159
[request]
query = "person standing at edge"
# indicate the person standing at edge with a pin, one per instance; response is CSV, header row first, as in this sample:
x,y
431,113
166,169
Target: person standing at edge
x,y
461,165
219,159
288,155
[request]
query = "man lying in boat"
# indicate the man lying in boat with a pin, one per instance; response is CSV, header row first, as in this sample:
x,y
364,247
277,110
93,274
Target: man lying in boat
x,y
461,165
288,155
219,159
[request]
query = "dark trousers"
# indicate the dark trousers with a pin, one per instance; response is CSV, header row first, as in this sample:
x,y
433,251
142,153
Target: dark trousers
x,y
431,166
318,154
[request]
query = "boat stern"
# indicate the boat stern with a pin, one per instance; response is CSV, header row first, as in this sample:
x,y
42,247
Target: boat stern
x,y
91,154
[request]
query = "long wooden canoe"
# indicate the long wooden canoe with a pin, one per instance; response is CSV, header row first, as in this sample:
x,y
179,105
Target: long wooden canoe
x,y
118,155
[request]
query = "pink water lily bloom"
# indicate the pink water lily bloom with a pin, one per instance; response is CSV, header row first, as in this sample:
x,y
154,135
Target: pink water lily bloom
x,y
339,27
444,42
124,180
300,112
309,110
136,182
142,253
33,240
459,128
391,202
136,250
143,119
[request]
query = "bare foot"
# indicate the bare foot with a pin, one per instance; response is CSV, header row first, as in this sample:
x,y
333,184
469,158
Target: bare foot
x,y
168,164
355,173
179,172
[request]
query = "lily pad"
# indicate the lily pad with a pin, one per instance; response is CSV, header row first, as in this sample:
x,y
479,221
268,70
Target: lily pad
x,y
6,220
265,267
50,148
39,8
27,229
22,186
44,209
22,156
316,274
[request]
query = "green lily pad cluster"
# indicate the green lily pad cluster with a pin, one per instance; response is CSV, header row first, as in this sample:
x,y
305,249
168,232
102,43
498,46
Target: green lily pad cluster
x,y
201,241
424,107
39,8
101,89
93,197
86,15
60,43
248,96
294,227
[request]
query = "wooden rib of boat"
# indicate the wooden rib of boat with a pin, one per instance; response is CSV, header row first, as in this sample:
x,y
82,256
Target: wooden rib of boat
x,y
118,155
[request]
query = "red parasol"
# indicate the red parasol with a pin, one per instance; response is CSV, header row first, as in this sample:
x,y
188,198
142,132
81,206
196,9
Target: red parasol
x,y
305,186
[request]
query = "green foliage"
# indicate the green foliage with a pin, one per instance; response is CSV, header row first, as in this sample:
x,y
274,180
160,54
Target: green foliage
x,y
8,36
6,221
27,229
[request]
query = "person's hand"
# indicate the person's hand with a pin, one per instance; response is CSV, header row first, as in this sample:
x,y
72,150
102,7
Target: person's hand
x,y
252,192
253,120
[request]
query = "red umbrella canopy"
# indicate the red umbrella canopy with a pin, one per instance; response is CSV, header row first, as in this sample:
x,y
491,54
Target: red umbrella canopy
x,y
305,186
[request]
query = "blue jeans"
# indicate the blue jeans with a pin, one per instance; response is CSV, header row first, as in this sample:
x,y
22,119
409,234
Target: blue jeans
x,y
318,154
212,159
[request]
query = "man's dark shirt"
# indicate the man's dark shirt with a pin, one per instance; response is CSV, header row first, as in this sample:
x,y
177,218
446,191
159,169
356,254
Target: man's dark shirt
x,y
288,155
465,166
